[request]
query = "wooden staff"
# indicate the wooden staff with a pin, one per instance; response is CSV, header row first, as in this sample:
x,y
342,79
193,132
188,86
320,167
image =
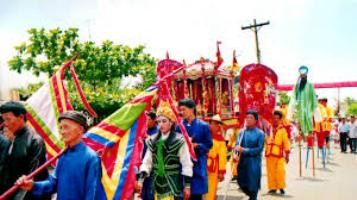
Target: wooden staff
x,y
300,168
13,189
307,157
313,161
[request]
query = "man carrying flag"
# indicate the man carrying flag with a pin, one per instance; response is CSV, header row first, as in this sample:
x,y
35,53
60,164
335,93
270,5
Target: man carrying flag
x,y
249,145
78,171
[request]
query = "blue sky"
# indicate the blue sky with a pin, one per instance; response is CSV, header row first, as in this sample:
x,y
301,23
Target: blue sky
x,y
318,33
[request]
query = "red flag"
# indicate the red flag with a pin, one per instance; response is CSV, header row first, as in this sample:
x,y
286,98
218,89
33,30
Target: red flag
x,y
218,55
235,65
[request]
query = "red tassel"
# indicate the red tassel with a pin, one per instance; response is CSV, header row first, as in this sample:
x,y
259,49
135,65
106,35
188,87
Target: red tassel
x,y
80,92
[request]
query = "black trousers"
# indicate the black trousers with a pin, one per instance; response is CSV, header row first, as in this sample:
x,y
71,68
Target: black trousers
x,y
353,143
196,197
343,141
253,195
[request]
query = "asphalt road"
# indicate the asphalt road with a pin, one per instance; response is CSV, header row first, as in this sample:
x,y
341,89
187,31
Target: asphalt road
x,y
338,180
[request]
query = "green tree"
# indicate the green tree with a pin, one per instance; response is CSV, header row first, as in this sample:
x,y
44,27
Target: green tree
x,y
99,67
26,92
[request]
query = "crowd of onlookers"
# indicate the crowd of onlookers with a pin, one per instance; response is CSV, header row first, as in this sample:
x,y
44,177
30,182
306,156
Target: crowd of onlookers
x,y
346,127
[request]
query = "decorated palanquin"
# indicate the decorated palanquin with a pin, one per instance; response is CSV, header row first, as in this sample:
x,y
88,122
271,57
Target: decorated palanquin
x,y
205,82
211,87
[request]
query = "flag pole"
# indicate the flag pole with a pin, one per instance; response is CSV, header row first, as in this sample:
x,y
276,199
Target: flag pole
x,y
13,189
179,121
300,170
313,161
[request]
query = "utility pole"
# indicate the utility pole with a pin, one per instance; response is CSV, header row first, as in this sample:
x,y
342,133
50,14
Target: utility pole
x,y
256,27
338,101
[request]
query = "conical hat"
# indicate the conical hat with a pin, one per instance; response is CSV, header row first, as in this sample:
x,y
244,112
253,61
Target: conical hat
x,y
216,118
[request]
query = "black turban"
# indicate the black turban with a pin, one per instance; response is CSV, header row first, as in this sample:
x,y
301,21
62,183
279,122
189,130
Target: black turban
x,y
75,116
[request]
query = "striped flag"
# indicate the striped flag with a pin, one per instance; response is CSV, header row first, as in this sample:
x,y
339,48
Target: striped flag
x,y
119,141
45,105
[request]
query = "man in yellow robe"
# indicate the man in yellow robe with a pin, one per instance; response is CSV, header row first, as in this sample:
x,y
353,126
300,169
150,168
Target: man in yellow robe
x,y
319,126
277,153
327,122
217,158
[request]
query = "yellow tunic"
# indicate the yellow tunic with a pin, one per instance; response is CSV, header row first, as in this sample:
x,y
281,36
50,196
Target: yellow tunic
x,y
277,146
216,164
284,111
232,138
318,126
231,144
327,119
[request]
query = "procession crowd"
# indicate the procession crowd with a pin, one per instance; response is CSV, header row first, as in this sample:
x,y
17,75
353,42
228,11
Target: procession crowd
x,y
167,170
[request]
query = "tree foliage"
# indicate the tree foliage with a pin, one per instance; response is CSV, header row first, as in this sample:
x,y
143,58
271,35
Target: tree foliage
x,y
26,92
99,67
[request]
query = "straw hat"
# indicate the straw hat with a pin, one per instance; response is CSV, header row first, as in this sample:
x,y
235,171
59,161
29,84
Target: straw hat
x,y
216,118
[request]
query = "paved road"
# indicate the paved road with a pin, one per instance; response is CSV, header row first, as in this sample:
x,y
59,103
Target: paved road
x,y
337,181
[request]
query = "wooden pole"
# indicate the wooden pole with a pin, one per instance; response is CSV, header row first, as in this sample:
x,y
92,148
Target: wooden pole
x,y
255,28
313,161
300,167
307,157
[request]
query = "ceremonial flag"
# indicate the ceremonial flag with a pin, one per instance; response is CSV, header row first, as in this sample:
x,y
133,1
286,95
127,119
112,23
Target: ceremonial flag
x,y
45,105
218,55
235,66
119,141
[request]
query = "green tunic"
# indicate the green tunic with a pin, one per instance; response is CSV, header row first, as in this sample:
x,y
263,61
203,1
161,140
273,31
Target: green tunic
x,y
167,178
304,102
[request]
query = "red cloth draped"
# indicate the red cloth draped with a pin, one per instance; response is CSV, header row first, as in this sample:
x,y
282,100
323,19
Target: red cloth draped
x,y
179,90
211,95
197,91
